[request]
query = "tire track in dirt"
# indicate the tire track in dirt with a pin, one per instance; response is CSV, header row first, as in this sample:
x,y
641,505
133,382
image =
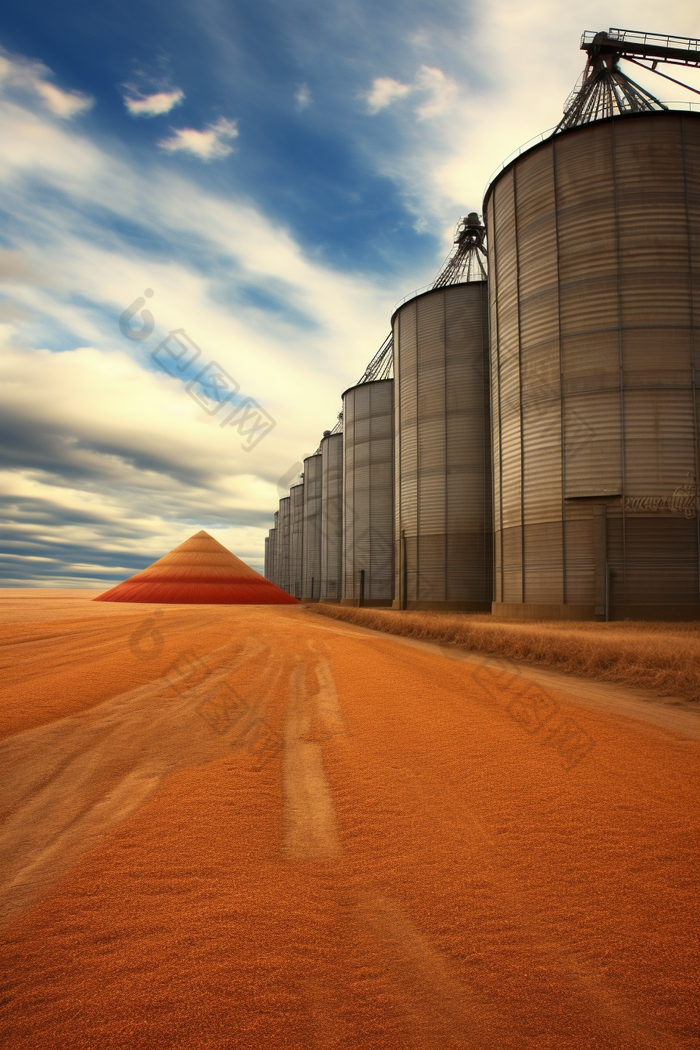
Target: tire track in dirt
x,y
475,897
440,1009
311,831
66,784
607,1010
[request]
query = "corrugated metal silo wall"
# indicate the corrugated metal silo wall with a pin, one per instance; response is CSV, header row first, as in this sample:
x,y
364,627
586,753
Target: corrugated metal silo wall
x,y
270,570
266,570
296,539
444,524
594,262
311,568
283,544
368,492
332,518
275,556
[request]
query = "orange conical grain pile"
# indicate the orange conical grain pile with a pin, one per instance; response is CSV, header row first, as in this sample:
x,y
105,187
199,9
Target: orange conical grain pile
x,y
198,572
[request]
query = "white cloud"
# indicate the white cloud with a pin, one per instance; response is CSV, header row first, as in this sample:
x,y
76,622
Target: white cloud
x,y
31,76
114,456
137,466
440,92
210,144
384,92
65,104
153,105
520,62
437,91
303,96
123,462
259,251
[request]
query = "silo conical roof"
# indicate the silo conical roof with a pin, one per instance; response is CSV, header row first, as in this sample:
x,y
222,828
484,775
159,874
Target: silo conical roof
x,y
198,572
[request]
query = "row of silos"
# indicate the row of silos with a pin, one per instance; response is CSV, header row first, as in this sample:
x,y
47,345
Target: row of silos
x,y
333,534
395,507
537,448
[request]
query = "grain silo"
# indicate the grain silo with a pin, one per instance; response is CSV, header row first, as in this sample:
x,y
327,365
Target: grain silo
x,y
332,515
368,484
296,538
311,559
270,545
594,257
443,526
283,544
274,561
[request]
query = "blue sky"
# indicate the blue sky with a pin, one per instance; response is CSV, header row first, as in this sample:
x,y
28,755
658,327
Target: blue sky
x,y
279,175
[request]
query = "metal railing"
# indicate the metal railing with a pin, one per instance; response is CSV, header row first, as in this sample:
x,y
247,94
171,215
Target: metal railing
x,y
634,36
693,107
412,295
516,153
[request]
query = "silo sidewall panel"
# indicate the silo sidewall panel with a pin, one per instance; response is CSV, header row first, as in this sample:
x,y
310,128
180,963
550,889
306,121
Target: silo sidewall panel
x,y
332,518
311,557
443,440
368,493
594,325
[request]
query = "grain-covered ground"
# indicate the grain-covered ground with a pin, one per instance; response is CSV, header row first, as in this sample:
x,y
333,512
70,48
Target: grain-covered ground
x,y
254,827
664,657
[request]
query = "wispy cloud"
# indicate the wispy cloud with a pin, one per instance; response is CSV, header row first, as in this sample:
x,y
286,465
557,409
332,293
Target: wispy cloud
x,y
210,144
436,90
17,268
153,105
65,104
31,76
106,460
501,81
303,96
285,275
385,91
131,484
439,92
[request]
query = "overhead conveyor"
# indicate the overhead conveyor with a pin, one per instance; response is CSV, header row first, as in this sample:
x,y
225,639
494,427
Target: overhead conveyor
x,y
604,90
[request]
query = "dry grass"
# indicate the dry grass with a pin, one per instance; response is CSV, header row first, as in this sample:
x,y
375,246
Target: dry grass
x,y
663,657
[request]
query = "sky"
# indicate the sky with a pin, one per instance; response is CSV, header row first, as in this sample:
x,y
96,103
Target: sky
x,y
208,213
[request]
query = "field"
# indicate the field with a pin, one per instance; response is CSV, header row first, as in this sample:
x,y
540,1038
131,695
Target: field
x,y
262,828
662,657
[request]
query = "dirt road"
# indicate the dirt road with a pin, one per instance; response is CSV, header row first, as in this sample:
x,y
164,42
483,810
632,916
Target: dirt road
x,y
254,827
